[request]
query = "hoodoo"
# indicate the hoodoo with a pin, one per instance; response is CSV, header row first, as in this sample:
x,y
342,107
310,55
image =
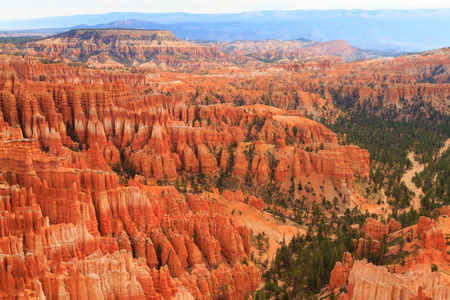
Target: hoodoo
x,y
138,165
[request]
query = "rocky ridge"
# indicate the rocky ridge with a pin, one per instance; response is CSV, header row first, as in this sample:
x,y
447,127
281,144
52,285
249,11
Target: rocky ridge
x,y
117,46
88,159
414,279
70,231
72,226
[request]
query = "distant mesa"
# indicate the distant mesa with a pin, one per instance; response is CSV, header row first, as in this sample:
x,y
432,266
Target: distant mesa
x,y
162,49
303,40
406,30
261,48
120,45
117,47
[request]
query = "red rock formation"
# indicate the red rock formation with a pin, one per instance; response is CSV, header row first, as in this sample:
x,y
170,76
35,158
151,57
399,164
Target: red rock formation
x,y
75,217
434,238
229,195
224,159
260,169
445,210
72,223
281,171
240,167
394,225
420,295
341,271
207,161
425,224
239,196
258,203
365,247
140,45
95,159
367,281
375,229
338,47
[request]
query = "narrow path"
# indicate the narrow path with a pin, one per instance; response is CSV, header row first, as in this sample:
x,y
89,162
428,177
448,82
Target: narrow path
x,y
407,179
418,167
441,151
445,147
384,209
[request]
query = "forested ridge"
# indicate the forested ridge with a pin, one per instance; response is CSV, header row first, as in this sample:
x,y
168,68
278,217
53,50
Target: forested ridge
x,y
302,267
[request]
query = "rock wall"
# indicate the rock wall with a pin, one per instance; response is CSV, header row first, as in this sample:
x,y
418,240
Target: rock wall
x,y
67,232
367,281
375,229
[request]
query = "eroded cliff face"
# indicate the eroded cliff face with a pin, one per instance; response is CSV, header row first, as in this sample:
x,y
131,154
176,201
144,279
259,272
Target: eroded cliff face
x,y
299,73
367,281
71,232
265,48
90,158
70,229
160,135
77,221
375,229
406,86
413,278
118,47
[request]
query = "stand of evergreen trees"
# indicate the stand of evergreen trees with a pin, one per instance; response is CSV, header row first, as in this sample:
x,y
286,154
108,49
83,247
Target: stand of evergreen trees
x,y
302,267
389,142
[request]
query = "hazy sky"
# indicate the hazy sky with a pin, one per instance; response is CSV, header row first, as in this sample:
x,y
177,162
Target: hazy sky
x,y
25,9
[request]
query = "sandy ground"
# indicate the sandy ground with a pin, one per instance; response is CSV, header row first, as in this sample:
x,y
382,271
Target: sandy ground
x,y
418,167
383,209
259,222
407,179
445,147
292,120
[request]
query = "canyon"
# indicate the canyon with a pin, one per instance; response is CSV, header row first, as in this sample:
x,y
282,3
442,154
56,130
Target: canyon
x,y
65,209
135,165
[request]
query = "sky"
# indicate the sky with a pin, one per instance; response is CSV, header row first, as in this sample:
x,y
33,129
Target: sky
x,y
27,9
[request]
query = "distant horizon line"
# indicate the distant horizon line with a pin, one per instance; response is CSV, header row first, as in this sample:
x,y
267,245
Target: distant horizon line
x,y
231,13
